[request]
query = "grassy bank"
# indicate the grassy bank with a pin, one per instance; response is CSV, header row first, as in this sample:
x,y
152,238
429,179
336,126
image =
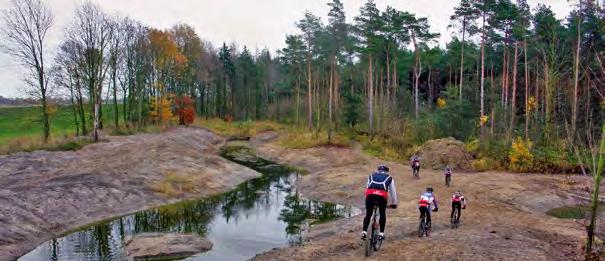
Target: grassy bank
x,y
21,129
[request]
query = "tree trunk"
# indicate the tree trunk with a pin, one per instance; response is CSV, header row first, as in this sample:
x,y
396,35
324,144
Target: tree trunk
x,y
493,114
482,110
309,93
115,101
417,71
298,99
96,117
574,109
431,98
371,97
331,97
462,58
527,112
513,108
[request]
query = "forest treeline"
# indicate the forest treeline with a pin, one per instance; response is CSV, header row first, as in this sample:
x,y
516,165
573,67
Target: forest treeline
x,y
509,75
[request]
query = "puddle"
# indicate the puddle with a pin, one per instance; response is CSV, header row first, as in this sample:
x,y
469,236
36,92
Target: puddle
x,y
255,217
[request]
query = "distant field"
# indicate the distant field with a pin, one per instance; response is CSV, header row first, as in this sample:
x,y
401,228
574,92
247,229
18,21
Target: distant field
x,y
19,122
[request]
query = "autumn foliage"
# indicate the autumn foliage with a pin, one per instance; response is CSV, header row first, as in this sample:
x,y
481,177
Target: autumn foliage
x,y
160,110
185,110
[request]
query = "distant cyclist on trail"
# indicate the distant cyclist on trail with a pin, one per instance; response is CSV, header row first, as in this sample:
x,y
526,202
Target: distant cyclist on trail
x,y
448,174
415,162
458,202
447,171
380,188
425,203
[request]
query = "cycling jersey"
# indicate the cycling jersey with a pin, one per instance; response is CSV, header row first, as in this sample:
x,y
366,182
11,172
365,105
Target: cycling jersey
x,y
426,200
382,184
457,197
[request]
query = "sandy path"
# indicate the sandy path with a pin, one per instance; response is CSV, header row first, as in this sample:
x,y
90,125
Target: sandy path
x,y
505,220
45,194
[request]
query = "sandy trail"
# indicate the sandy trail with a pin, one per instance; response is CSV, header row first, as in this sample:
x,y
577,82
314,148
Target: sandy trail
x,y
505,220
46,194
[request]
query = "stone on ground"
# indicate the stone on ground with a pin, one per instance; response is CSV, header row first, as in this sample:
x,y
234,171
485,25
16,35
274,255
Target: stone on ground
x,y
159,246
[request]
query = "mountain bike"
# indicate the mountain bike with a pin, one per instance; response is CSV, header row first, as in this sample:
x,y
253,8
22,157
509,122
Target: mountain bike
x,y
448,180
455,222
424,229
373,243
416,170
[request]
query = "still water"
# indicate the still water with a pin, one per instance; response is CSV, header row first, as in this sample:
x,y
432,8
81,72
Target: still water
x,y
257,216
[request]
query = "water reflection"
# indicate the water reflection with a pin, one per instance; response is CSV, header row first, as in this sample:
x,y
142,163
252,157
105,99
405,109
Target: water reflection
x,y
257,216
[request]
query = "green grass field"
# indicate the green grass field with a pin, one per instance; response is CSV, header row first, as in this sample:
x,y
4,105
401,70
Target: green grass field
x,y
24,122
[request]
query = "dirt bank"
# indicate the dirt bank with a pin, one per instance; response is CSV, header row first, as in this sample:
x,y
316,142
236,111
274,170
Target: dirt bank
x,y
505,220
45,194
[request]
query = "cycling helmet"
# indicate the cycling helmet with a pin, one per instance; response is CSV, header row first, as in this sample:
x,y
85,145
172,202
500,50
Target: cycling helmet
x,y
429,189
383,167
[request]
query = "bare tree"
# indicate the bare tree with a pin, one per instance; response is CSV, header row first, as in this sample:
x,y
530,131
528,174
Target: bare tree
x,y
26,24
93,30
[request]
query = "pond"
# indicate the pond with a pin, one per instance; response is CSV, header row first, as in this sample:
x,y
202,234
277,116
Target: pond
x,y
255,217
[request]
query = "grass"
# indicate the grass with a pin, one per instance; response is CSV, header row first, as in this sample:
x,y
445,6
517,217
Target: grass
x,y
239,129
21,129
26,122
174,184
301,139
34,143
570,212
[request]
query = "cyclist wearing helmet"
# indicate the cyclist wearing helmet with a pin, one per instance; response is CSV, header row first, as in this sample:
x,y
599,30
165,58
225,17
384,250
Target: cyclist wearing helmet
x,y
415,161
380,189
447,173
425,203
458,202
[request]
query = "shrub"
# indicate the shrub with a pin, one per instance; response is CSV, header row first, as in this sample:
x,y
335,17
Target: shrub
x,y
520,157
185,110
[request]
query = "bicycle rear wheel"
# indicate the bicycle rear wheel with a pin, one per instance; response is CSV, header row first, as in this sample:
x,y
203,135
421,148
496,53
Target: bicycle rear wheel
x,y
367,244
376,243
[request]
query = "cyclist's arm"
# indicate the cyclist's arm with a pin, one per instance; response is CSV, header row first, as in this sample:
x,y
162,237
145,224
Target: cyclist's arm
x,y
393,193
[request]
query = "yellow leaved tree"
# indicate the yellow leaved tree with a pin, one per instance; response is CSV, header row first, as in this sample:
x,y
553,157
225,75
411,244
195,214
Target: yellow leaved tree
x,y
520,157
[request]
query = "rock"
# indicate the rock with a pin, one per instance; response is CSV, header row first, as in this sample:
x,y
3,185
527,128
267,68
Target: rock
x,y
436,154
160,246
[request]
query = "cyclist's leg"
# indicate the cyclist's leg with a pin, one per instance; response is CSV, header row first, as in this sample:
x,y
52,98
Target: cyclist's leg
x,y
459,206
428,216
382,206
453,207
369,212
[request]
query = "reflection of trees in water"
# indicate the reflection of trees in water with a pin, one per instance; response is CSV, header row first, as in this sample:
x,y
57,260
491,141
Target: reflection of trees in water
x,y
194,216
186,217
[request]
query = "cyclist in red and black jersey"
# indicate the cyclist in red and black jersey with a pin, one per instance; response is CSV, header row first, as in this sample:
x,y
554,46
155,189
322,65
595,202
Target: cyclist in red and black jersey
x,y
458,203
380,189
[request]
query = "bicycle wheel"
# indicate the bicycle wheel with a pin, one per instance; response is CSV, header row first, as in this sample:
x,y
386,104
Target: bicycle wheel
x,y
367,244
457,218
448,180
421,227
427,230
376,241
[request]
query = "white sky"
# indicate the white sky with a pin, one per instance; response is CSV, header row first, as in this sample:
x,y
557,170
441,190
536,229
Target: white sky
x,y
255,23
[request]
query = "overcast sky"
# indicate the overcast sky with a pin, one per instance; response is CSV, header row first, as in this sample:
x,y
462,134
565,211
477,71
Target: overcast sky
x,y
255,23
